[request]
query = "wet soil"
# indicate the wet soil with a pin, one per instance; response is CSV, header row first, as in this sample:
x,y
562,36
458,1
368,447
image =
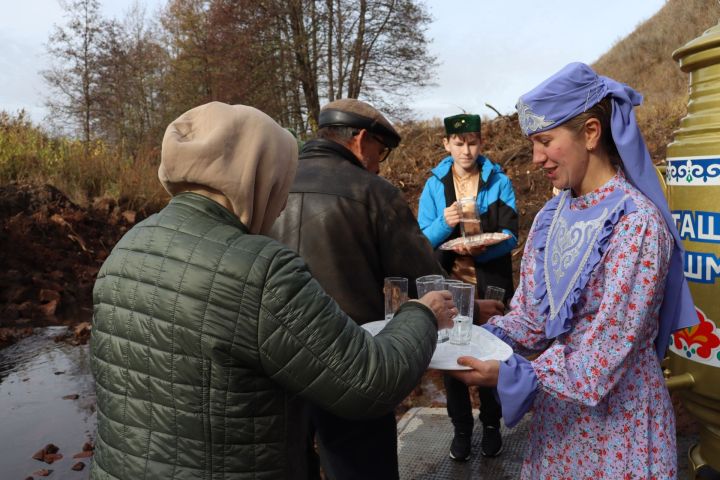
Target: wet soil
x,y
50,252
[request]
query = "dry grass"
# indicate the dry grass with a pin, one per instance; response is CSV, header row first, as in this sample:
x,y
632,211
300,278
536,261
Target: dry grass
x,y
658,121
643,59
29,155
410,164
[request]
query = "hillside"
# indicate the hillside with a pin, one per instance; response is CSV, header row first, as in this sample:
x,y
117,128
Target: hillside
x,y
643,59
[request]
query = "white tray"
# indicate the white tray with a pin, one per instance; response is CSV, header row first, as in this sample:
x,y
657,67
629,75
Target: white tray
x,y
483,346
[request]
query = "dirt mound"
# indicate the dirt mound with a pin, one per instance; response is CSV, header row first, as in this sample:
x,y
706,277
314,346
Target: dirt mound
x,y
51,250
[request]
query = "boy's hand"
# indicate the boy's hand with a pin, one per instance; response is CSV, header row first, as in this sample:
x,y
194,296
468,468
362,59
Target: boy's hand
x,y
452,216
484,309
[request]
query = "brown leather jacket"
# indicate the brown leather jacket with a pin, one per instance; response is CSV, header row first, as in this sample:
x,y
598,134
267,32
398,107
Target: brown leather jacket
x,y
353,228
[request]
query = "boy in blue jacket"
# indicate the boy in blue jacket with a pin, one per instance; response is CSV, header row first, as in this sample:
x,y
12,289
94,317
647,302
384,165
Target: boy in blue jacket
x,y
467,173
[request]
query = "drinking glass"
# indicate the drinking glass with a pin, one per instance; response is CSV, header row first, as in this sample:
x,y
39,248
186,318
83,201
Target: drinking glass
x,y
464,298
451,281
429,283
495,293
444,333
469,218
395,290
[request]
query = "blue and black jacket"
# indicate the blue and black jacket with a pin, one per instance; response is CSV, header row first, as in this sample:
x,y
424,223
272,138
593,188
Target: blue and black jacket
x,y
498,213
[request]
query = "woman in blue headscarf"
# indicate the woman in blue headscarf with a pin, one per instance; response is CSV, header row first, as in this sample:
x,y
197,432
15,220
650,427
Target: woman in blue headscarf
x,y
601,290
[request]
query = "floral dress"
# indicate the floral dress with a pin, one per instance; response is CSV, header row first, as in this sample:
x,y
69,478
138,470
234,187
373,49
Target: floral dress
x,y
599,401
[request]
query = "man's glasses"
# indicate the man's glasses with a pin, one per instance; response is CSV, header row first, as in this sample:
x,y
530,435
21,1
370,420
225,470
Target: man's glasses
x,y
385,152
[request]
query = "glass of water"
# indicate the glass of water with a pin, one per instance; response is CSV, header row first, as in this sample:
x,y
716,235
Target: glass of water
x,y
464,298
444,333
432,283
395,290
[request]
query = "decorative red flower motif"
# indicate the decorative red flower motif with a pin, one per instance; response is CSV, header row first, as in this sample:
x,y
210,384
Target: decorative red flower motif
x,y
703,334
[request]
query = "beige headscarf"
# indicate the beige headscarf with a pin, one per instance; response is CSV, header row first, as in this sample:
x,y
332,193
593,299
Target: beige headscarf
x,y
236,150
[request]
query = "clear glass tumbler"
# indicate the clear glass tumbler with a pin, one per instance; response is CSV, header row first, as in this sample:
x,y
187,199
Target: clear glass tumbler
x,y
464,298
469,218
429,283
495,293
395,290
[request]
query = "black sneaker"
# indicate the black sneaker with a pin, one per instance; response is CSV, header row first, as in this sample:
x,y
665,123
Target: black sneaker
x,y
491,444
460,446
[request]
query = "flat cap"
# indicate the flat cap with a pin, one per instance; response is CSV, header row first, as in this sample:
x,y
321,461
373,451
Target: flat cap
x,y
349,112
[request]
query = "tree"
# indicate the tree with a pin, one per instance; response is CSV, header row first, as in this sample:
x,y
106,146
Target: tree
x,y
72,76
286,56
192,59
122,82
375,49
380,51
248,57
131,100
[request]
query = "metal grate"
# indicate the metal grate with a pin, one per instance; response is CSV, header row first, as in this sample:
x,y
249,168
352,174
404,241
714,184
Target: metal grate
x,y
424,436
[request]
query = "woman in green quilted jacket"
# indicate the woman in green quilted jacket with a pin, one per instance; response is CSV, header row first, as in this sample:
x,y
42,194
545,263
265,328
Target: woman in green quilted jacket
x,y
208,336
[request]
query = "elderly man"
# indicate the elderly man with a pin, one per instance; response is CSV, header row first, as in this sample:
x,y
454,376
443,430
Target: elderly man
x,y
353,228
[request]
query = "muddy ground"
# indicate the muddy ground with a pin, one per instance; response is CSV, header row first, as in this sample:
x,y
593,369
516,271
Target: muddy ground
x,y
50,251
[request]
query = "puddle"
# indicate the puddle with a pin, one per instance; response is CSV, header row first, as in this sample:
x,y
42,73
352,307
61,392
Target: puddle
x,y
35,374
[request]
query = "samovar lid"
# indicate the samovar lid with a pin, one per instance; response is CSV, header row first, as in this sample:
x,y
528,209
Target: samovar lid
x,y
700,52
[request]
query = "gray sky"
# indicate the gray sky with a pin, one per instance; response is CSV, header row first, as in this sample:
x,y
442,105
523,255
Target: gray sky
x,y
490,51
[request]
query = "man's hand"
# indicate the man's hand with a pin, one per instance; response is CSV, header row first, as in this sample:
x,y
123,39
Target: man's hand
x,y
441,303
452,215
484,309
484,373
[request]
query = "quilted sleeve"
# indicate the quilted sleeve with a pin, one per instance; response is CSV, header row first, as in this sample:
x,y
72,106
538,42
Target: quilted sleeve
x,y
311,348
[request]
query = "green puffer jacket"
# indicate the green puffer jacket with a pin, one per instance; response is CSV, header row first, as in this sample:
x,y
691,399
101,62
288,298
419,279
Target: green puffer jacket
x,y
203,338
